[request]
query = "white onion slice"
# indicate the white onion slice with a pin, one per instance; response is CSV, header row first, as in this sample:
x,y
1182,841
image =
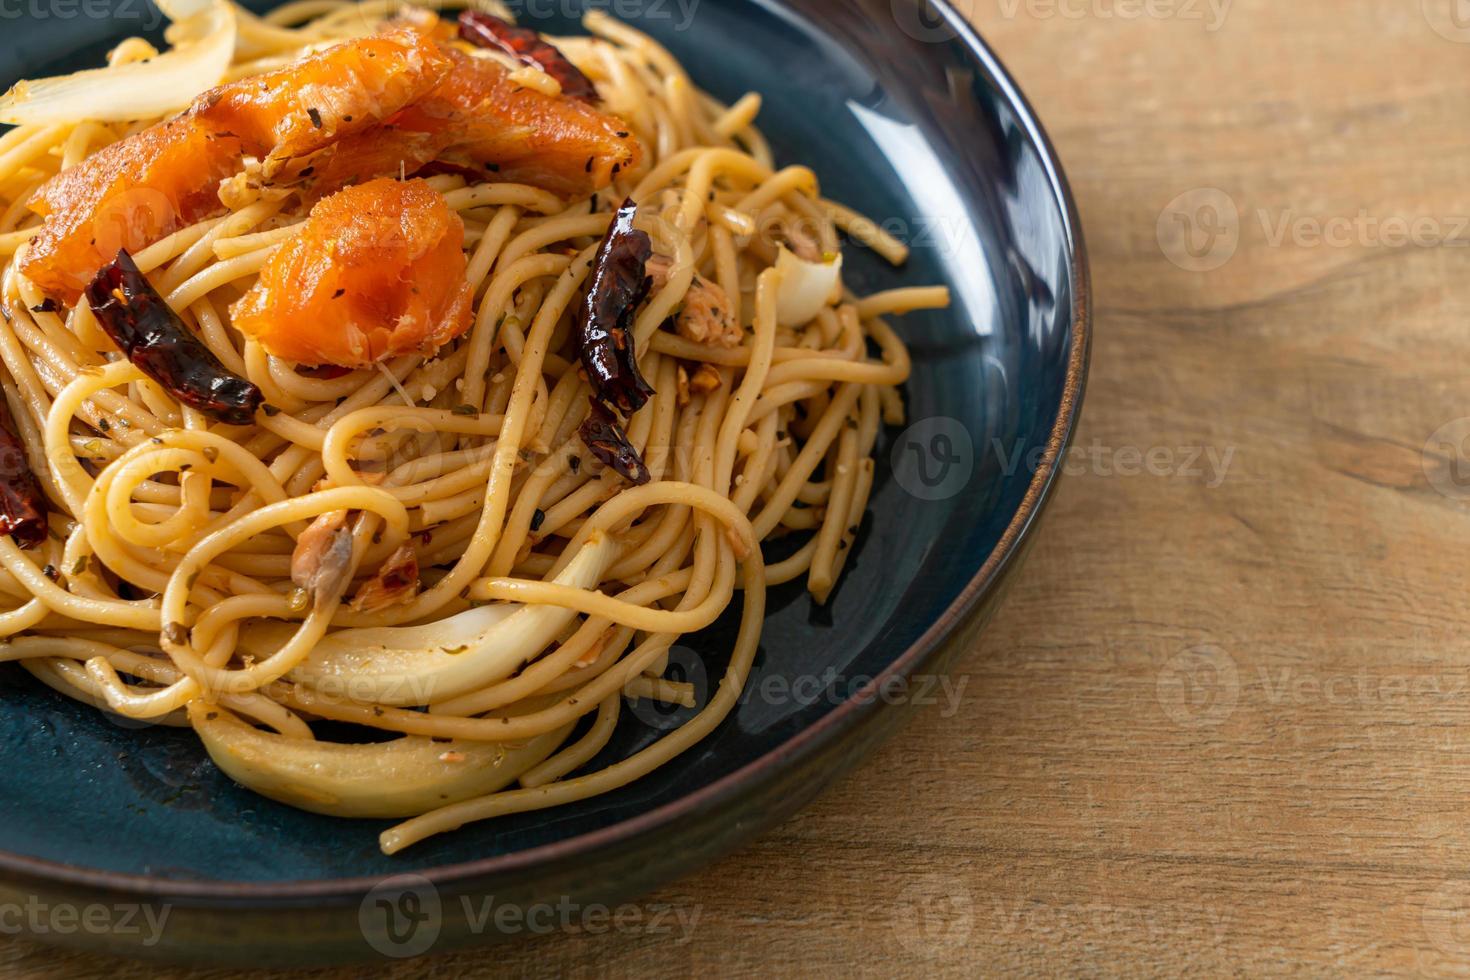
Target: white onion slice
x,y
401,778
412,665
141,89
806,288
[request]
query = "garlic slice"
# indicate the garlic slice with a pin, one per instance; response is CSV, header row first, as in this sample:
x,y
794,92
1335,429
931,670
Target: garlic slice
x,y
417,665
806,288
402,778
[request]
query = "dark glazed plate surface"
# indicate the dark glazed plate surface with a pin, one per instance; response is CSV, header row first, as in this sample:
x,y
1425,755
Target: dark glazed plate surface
x,y
904,115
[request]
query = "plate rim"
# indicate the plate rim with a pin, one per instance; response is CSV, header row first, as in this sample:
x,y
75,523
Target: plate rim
x,y
855,708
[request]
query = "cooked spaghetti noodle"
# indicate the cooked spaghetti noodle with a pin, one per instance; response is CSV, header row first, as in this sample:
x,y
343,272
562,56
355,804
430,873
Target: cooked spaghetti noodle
x,y
177,582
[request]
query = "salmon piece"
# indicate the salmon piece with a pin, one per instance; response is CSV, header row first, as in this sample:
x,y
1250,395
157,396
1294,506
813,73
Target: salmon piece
x,y
477,120
142,188
125,196
387,151
552,142
321,98
377,271
377,106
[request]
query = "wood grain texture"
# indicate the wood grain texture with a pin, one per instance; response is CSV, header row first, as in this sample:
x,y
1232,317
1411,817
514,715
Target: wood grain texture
x,y
1221,723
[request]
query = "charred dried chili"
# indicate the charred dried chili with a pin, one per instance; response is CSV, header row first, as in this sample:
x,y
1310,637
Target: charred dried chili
x,y
604,333
604,322
396,581
22,506
488,31
605,438
153,337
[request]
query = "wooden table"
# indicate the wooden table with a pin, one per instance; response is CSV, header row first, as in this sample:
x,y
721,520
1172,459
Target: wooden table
x,y
1222,723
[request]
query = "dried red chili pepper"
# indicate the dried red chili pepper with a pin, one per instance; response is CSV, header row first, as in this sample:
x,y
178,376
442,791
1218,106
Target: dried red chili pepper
x,y
488,31
153,337
604,321
602,434
22,505
395,581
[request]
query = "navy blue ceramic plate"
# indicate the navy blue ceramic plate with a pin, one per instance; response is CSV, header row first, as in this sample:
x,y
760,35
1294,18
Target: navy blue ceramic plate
x,y
905,115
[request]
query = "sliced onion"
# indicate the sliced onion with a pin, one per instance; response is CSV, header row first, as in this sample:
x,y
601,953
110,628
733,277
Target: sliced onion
x,y
141,89
185,25
401,778
413,665
806,288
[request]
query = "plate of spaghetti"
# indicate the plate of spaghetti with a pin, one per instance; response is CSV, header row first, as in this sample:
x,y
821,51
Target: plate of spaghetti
x,y
525,455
